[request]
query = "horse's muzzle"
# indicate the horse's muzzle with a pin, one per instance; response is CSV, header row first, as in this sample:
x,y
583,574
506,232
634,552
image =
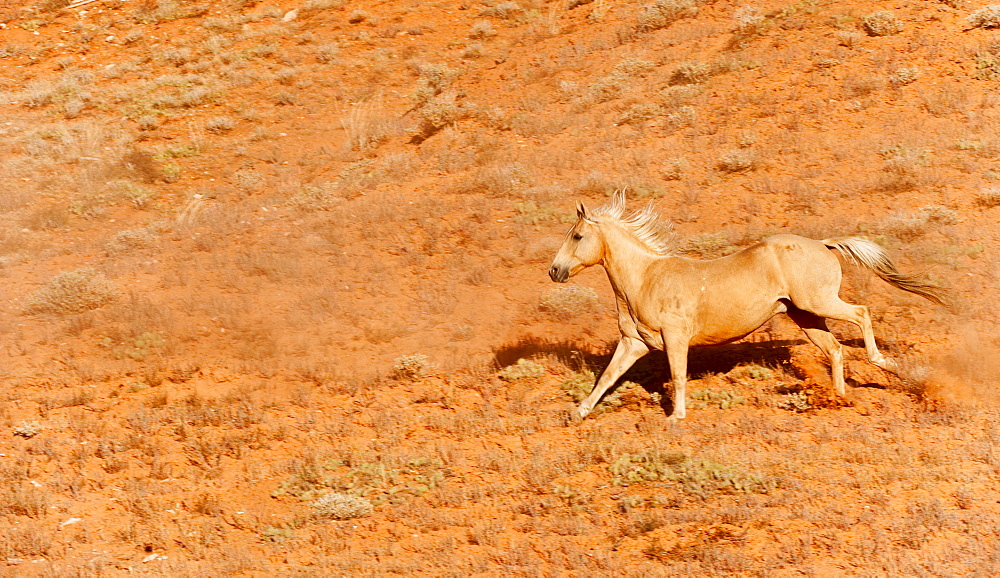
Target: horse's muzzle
x,y
557,274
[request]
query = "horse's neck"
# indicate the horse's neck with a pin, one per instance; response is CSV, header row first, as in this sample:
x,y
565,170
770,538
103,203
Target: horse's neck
x,y
626,261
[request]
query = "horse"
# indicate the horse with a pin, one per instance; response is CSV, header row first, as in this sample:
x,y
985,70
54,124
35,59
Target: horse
x,y
671,303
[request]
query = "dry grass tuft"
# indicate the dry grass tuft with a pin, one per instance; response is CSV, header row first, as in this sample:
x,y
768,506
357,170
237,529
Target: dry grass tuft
x,y
911,226
986,17
340,506
989,197
663,13
73,292
568,301
737,161
412,366
881,23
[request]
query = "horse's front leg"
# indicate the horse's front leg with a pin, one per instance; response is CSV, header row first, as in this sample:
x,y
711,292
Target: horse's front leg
x,y
629,350
677,355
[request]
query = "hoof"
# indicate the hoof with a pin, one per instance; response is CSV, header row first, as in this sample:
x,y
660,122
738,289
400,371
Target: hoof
x,y
889,364
581,413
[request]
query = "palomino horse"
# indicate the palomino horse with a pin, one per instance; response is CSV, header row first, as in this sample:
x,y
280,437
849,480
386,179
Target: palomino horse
x,y
672,303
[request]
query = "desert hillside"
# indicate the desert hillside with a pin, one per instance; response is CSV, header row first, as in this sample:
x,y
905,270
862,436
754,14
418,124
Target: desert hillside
x,y
276,298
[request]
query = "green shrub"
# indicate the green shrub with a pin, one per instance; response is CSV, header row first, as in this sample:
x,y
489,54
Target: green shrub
x,y
700,478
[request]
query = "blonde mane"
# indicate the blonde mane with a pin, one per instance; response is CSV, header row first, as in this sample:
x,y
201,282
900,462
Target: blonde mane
x,y
644,224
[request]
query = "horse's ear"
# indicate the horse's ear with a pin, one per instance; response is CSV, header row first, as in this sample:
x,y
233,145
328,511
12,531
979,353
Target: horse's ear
x,y
581,211
619,197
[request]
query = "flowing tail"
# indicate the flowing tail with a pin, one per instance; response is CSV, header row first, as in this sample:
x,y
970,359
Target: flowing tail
x,y
871,256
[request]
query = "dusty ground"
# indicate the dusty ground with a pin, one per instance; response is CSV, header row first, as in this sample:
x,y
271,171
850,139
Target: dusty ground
x,y
267,267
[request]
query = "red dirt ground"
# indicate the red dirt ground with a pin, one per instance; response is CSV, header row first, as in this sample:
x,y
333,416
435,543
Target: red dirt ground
x,y
317,235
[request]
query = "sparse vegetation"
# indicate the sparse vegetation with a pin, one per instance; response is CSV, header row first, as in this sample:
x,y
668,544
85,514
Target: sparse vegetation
x,y
904,76
412,366
28,429
881,23
986,17
73,292
340,506
700,399
701,478
737,160
568,301
220,125
524,368
989,197
663,13
911,226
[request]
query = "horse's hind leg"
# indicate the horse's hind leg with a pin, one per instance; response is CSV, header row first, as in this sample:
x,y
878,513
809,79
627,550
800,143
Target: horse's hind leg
x,y
834,308
817,331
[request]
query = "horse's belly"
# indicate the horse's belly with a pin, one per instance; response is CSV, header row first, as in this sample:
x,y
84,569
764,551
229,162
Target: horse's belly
x,y
715,330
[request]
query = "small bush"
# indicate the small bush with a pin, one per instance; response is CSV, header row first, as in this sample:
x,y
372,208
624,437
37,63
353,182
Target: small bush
x,y
633,67
530,213
796,401
989,197
684,116
703,398
73,292
126,241
691,73
708,245
749,20
736,161
327,53
340,506
500,180
524,368
220,125
881,23
701,478
433,80
569,301
911,226
663,13
674,169
248,179
321,197
904,76
28,429
482,30
412,366
904,162
639,114
986,17
503,11
988,62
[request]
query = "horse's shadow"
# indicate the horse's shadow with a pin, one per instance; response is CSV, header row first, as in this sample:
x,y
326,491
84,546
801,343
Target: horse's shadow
x,y
652,372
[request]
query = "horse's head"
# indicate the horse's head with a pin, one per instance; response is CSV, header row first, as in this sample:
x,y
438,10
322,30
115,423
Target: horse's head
x,y
583,247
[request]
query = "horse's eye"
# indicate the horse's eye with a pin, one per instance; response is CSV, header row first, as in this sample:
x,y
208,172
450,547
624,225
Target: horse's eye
x,y
577,236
